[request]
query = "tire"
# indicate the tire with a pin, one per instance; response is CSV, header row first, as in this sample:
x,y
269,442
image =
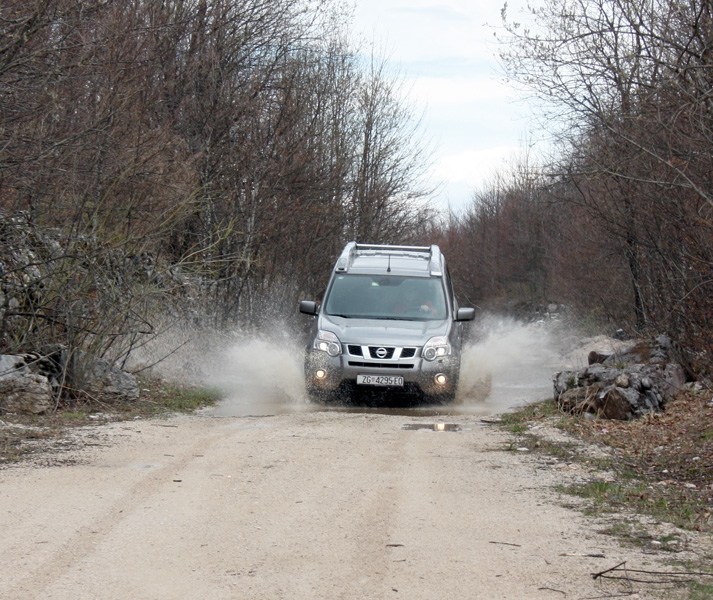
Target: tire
x,y
317,396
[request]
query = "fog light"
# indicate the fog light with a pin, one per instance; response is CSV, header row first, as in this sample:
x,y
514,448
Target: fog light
x,y
320,374
441,379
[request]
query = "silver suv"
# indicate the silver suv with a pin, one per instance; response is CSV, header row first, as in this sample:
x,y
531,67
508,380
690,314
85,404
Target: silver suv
x,y
389,322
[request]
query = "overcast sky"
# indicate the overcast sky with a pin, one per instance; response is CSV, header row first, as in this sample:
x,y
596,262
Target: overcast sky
x,y
446,51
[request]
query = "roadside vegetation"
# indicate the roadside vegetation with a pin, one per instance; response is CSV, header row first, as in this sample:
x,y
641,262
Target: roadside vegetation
x,y
616,221
49,437
204,161
647,481
194,163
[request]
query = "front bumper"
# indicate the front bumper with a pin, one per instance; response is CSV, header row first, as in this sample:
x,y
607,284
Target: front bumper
x,y
419,374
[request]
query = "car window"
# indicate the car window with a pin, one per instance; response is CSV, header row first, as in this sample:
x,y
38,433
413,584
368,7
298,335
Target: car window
x,y
387,297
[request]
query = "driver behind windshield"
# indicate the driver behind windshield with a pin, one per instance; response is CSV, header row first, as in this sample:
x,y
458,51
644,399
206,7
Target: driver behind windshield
x,y
386,297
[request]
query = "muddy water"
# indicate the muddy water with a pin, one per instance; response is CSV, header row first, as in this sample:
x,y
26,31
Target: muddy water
x,y
508,364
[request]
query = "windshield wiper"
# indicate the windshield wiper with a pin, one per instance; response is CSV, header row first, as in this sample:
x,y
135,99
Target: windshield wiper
x,y
393,318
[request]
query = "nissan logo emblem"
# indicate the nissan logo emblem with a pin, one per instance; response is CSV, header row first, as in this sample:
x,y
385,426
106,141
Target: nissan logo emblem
x,y
381,353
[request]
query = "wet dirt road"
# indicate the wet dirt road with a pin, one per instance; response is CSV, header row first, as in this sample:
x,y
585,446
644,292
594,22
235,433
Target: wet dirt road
x,y
321,504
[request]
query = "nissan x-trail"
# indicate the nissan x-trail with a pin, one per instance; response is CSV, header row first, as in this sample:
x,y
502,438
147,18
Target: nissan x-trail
x,y
389,325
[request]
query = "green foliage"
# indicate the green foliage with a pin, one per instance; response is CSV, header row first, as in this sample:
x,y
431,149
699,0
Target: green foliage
x,y
186,398
700,591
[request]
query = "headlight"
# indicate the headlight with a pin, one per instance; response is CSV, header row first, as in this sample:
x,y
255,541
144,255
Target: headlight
x,y
328,342
436,347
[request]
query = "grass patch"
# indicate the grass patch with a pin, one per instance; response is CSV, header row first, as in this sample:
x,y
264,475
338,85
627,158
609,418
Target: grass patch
x,y
531,413
17,441
700,591
170,398
604,496
662,465
190,399
521,421
635,534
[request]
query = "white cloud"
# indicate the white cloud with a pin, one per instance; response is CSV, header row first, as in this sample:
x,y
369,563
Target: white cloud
x,y
464,173
445,51
473,167
438,91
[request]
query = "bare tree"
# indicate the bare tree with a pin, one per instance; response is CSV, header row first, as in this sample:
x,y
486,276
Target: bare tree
x,y
228,146
629,86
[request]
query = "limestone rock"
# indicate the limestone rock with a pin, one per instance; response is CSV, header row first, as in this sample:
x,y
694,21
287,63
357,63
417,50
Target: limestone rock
x,y
104,381
623,385
26,394
617,403
96,376
13,366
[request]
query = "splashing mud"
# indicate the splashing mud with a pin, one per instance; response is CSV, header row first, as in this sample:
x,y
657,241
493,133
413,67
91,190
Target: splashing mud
x,y
505,364
260,377
508,364
257,374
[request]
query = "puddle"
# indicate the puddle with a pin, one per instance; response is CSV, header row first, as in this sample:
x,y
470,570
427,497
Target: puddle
x,y
431,427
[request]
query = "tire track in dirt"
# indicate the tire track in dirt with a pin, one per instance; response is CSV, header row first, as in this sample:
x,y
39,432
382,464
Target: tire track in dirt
x,y
80,545
326,504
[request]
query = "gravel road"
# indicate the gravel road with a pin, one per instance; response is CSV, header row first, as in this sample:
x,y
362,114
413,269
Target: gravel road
x,y
305,505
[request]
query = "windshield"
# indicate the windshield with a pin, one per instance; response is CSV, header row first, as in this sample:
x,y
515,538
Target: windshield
x,y
387,297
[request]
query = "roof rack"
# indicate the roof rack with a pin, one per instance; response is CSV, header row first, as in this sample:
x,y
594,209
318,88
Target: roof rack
x,y
352,250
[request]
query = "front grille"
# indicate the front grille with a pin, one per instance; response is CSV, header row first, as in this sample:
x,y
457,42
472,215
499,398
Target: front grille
x,y
390,352
373,352
380,365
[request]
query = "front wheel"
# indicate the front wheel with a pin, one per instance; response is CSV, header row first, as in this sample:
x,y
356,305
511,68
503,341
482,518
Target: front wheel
x,y
320,396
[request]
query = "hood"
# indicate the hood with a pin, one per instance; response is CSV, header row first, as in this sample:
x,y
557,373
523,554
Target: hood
x,y
384,332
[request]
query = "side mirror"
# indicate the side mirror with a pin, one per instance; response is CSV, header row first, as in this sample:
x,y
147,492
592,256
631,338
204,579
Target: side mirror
x,y
465,314
308,307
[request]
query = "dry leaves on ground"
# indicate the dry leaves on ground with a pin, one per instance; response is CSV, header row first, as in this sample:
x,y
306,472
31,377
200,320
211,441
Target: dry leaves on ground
x,y
672,451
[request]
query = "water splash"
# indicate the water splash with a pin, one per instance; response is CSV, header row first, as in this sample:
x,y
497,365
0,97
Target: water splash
x,y
259,376
505,364
508,363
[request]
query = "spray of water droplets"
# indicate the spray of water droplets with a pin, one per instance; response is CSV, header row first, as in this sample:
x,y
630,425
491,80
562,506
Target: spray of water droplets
x,y
506,363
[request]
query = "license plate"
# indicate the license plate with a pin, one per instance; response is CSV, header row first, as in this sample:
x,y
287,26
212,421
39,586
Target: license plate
x,y
390,380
